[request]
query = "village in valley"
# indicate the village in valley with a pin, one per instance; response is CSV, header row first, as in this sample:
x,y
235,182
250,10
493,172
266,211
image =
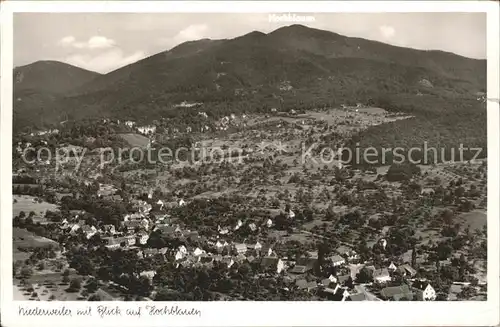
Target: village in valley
x,y
278,161
256,221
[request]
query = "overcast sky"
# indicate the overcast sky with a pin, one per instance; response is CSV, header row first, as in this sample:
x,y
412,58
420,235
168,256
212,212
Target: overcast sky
x,y
104,42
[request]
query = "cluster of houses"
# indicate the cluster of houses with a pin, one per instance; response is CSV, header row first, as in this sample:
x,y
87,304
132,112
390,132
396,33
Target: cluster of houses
x,y
228,253
137,227
77,227
185,104
106,191
147,130
45,132
333,287
221,124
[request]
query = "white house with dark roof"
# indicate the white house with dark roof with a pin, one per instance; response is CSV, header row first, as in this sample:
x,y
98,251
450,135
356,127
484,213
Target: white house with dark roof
x,y
131,225
252,227
89,231
148,129
197,252
352,255
337,260
73,230
238,225
266,250
381,275
178,255
383,243
240,248
345,294
64,224
145,223
113,242
129,123
131,240
272,263
223,231
424,291
335,292
150,274
219,244
142,238
133,216
183,249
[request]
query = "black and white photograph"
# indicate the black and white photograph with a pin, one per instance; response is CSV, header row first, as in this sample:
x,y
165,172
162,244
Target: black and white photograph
x,y
238,156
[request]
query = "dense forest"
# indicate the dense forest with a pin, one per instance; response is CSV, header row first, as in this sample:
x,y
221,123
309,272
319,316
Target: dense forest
x,y
443,124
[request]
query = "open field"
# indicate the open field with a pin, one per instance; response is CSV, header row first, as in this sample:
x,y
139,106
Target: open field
x,y
48,285
364,117
24,240
475,219
28,203
46,291
136,140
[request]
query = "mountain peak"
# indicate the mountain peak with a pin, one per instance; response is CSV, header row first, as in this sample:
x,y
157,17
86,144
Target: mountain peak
x,y
51,76
40,63
217,72
52,64
297,27
192,47
255,34
302,30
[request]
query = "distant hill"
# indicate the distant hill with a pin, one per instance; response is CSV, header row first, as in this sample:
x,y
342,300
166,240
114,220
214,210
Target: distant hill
x,y
292,67
333,45
39,85
50,76
439,123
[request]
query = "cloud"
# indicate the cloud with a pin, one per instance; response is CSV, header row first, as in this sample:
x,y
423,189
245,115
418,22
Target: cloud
x,y
387,31
95,42
67,41
99,42
106,61
190,33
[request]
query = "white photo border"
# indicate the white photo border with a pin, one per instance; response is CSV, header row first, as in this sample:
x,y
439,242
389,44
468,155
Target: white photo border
x,y
482,313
